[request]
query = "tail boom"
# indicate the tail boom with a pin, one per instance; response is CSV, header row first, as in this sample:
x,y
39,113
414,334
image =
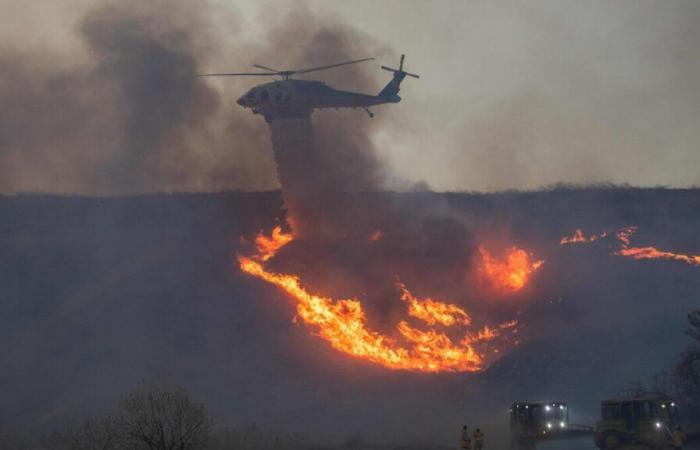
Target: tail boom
x,y
391,90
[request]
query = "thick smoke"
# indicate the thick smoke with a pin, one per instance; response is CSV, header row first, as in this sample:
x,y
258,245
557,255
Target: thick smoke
x,y
599,98
321,159
318,171
129,114
126,113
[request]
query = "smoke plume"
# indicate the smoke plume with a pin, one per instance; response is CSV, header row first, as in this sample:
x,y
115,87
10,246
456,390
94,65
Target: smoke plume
x,y
127,114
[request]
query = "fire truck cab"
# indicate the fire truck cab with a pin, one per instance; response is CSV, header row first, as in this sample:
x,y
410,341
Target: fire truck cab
x,y
643,422
533,422
539,418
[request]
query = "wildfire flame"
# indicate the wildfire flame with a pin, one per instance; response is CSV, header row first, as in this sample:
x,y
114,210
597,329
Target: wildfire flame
x,y
487,333
509,274
269,246
624,236
431,311
626,233
579,238
343,323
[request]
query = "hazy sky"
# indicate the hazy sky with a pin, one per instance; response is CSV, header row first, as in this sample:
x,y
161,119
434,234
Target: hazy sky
x,y
512,94
521,94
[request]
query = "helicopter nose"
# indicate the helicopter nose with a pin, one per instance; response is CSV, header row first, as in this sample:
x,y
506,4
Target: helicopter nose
x,y
240,101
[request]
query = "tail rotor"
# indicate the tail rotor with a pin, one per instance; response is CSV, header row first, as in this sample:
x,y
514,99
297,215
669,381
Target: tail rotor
x,y
400,69
391,90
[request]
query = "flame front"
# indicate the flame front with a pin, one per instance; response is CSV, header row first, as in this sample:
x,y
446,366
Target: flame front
x,y
509,274
343,323
624,236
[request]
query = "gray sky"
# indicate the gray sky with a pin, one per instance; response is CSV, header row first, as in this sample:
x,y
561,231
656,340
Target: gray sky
x,y
512,94
522,94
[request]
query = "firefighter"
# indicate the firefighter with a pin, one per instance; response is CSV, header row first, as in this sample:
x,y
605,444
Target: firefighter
x,y
464,440
478,439
678,438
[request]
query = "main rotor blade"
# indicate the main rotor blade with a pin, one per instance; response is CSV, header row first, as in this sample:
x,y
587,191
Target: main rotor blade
x,y
248,74
313,69
265,68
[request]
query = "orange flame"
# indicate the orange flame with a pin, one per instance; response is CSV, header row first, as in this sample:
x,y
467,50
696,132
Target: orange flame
x,y
431,311
343,323
578,238
487,333
269,246
509,274
624,236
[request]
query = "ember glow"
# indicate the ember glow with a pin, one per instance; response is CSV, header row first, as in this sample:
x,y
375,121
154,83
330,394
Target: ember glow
x,y
626,250
376,236
579,238
510,273
343,324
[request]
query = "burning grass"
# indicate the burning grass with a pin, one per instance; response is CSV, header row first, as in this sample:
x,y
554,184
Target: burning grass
x,y
343,322
624,236
507,274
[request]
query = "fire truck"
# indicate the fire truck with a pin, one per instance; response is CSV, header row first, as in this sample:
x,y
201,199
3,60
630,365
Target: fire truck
x,y
532,422
636,423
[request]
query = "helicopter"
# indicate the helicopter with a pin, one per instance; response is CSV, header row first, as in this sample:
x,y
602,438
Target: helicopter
x,y
291,98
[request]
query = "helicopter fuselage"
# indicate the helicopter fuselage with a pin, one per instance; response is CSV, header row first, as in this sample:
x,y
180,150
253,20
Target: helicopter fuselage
x,y
298,98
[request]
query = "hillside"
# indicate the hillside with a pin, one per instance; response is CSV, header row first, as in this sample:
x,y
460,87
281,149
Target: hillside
x,y
100,294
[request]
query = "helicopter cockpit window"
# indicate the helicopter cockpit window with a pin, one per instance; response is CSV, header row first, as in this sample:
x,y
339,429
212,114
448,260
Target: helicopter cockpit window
x,y
250,94
264,95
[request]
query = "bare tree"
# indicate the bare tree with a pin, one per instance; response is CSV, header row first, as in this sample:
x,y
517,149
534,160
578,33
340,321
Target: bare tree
x,y
91,434
157,418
